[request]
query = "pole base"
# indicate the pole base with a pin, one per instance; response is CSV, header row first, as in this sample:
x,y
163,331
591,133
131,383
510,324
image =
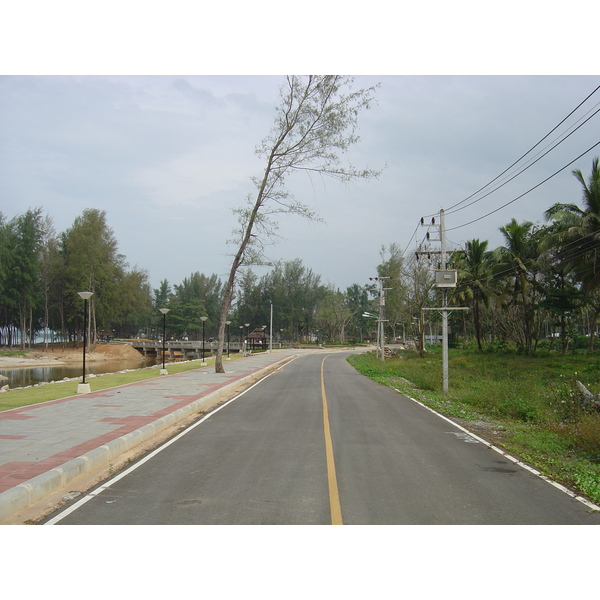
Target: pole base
x,y
163,372
83,388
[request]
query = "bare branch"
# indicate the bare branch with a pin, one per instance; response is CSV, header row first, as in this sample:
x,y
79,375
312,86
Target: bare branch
x,y
315,124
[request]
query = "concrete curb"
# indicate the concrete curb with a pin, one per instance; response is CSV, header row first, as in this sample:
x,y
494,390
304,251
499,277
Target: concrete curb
x,y
36,489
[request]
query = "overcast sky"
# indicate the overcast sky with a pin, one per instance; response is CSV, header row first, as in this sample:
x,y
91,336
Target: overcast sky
x,y
169,156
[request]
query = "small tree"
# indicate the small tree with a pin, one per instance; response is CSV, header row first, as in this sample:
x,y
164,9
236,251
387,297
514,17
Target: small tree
x,y
420,284
315,123
333,315
396,294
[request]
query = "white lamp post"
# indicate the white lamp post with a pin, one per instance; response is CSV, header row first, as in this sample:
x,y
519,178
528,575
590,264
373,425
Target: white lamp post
x,y
164,312
83,387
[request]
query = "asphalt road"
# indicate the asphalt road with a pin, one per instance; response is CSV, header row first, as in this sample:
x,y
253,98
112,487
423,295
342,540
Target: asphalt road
x,y
318,443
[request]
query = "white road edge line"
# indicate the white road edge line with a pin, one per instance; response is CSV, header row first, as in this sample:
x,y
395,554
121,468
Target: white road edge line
x,y
562,488
146,458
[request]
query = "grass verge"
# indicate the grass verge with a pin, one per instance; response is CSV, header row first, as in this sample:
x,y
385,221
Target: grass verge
x,y
527,405
63,389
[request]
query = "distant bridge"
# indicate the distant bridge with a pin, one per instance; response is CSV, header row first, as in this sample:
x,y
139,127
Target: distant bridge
x,y
189,350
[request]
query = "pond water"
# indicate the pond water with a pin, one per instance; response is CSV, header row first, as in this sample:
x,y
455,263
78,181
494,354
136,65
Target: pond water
x,y
26,376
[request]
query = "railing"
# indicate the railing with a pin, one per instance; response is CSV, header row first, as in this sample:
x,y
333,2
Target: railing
x,y
187,347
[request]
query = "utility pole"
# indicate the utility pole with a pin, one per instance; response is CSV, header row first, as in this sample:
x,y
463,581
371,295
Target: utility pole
x,y
444,305
444,279
380,320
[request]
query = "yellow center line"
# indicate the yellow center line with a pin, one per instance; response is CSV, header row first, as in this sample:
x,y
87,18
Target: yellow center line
x,y
334,497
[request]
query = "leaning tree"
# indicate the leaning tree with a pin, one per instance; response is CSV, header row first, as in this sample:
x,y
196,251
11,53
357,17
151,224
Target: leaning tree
x,y
315,124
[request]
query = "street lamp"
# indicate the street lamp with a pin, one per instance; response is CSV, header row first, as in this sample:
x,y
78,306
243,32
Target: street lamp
x,y
228,323
83,387
247,330
164,312
379,321
203,319
241,337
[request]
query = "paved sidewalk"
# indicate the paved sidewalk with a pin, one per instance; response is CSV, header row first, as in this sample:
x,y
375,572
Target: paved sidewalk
x,y
44,447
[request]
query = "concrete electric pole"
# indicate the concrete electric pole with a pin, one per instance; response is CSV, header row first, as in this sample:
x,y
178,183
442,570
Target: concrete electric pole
x,y
444,279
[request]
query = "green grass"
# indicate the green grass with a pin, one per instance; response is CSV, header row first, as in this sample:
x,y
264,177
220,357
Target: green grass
x,y
64,389
13,353
531,399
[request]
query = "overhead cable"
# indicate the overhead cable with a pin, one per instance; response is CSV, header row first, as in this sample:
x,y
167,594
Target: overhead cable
x,y
526,153
525,193
450,211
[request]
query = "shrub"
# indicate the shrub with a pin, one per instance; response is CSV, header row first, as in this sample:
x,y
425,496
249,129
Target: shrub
x,y
566,402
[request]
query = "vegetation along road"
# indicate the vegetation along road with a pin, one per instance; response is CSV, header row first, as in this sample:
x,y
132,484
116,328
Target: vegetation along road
x,y
319,443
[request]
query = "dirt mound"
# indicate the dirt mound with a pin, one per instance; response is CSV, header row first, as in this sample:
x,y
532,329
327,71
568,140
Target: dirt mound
x,y
56,355
100,352
117,351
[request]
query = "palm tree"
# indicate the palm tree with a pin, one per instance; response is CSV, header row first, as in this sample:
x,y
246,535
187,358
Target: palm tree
x,y
575,235
518,261
475,272
577,231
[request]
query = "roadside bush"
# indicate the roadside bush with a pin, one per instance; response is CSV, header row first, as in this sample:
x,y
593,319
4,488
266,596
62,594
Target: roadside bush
x,y
566,403
582,435
520,407
581,342
497,347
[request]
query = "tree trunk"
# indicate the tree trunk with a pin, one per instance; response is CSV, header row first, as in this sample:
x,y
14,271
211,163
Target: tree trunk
x,y
226,306
477,323
31,332
22,328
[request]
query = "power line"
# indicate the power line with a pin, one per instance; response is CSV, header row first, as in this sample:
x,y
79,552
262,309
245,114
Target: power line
x,y
527,192
411,239
454,206
449,211
526,153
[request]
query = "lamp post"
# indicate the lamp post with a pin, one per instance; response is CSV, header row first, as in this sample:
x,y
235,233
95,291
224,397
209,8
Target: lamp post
x,y
83,387
203,319
379,332
164,312
247,330
241,337
228,323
